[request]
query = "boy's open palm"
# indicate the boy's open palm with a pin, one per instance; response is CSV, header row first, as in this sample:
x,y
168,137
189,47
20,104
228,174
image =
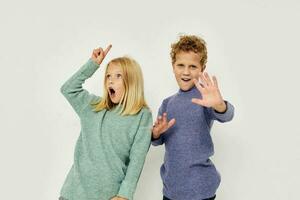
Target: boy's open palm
x,y
98,54
211,95
161,125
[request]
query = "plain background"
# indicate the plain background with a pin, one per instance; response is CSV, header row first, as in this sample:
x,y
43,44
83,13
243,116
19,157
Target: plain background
x,y
253,49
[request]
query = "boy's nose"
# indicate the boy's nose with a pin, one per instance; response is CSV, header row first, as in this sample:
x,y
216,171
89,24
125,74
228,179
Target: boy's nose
x,y
186,71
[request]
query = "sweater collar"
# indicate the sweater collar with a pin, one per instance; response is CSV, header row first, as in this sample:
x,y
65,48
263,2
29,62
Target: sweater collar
x,y
191,93
191,90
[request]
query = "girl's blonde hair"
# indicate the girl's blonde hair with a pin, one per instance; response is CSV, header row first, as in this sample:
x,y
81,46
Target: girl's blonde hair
x,y
133,99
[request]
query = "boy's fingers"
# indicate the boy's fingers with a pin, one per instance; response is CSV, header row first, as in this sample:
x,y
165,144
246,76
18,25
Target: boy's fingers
x,y
198,101
205,81
164,119
207,77
202,79
215,81
159,119
171,122
198,85
155,123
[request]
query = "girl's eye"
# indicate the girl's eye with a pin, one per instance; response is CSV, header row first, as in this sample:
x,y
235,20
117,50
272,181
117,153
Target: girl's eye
x,y
108,76
119,75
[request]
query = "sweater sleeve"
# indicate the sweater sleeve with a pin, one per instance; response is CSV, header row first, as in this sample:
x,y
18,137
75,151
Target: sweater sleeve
x,y
137,156
72,89
225,116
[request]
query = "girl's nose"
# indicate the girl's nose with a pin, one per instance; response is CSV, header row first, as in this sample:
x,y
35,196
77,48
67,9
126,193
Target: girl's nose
x,y
109,80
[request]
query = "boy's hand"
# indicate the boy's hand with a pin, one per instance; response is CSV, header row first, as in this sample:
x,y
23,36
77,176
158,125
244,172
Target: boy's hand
x,y
211,95
98,54
161,125
118,198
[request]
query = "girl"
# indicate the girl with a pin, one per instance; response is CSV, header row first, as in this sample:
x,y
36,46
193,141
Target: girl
x,y
115,131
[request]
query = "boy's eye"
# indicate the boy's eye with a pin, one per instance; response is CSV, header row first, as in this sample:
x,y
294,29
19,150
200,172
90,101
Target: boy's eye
x,y
193,67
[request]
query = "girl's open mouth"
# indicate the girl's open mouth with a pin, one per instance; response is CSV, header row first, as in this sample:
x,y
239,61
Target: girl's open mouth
x,y
112,92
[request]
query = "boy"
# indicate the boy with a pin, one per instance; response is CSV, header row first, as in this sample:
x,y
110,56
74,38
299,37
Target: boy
x,y
187,172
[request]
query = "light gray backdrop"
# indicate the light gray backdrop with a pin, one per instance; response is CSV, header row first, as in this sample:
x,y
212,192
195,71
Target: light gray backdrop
x,y
253,49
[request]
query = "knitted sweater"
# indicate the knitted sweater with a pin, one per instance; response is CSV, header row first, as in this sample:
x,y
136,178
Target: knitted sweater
x,y
187,171
111,149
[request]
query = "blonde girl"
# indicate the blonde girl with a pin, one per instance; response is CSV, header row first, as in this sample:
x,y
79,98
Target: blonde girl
x,y
115,131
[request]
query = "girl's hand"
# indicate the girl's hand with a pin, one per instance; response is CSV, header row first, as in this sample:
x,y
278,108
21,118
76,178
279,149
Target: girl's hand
x,y
98,54
211,95
118,198
161,125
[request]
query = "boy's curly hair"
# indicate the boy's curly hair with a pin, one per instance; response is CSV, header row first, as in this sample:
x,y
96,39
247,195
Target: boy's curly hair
x,y
188,43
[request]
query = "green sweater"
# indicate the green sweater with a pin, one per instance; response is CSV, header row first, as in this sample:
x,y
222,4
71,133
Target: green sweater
x,y
111,149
